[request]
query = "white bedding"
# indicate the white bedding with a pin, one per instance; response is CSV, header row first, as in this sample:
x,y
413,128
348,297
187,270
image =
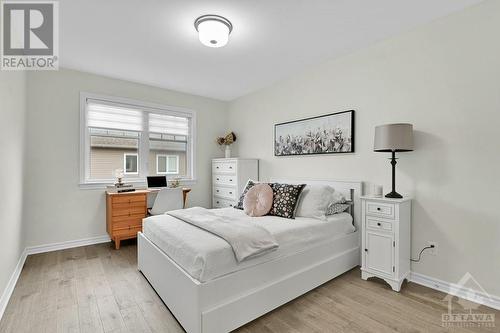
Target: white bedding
x,y
206,256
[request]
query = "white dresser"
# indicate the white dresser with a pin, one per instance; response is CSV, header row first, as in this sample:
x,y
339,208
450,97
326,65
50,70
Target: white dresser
x,y
386,225
229,177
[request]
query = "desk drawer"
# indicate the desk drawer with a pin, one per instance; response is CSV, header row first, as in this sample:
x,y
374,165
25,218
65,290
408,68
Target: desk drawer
x,y
225,192
128,199
131,231
380,209
126,221
224,167
129,211
378,225
224,180
132,204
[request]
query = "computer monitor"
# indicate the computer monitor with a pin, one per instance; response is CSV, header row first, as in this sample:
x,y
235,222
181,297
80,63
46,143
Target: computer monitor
x,y
157,181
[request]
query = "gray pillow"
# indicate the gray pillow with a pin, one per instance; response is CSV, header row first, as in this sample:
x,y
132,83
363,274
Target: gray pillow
x,y
336,208
249,185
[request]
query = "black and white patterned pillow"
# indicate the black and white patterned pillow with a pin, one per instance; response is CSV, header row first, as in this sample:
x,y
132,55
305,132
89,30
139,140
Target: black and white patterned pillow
x,y
249,185
337,208
285,198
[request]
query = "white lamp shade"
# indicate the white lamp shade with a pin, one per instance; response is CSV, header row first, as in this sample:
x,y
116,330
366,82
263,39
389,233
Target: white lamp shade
x,y
393,137
213,33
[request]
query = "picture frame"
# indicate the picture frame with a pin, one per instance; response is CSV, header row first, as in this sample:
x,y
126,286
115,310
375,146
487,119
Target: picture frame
x,y
331,133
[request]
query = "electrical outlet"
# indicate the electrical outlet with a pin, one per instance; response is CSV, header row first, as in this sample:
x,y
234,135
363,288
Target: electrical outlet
x,y
432,251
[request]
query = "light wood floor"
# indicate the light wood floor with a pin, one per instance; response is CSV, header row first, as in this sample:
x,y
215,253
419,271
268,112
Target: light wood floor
x,y
97,289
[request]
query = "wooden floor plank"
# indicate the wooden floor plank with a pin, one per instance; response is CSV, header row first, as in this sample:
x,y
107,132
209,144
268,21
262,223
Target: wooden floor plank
x,y
98,289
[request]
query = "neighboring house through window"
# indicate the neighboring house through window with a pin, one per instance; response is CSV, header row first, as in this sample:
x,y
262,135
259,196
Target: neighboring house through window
x,y
130,164
167,164
141,138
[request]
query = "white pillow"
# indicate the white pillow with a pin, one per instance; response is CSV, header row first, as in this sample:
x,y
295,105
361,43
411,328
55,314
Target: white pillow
x,y
314,201
338,198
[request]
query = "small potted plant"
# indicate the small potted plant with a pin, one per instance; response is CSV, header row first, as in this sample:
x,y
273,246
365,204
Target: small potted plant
x,y
227,141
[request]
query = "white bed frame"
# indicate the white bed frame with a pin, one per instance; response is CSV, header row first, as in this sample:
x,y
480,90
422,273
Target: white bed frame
x,y
230,301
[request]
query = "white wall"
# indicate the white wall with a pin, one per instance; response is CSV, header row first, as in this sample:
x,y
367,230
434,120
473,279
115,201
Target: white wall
x,y
57,209
445,79
12,120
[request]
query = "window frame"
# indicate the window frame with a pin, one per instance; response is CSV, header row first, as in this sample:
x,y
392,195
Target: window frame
x,y
125,163
143,150
166,164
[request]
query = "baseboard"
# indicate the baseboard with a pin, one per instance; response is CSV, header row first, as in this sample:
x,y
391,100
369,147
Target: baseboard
x,y
7,293
67,245
4,300
456,290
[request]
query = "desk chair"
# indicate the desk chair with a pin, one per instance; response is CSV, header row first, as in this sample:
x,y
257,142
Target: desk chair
x,y
166,200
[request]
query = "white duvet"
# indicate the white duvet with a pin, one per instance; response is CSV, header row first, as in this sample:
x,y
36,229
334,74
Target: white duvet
x,y
206,256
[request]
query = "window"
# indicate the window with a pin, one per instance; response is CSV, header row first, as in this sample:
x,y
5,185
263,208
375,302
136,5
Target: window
x,y
167,164
130,164
139,138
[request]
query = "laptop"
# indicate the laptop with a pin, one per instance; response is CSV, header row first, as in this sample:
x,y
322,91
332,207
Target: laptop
x,y
157,181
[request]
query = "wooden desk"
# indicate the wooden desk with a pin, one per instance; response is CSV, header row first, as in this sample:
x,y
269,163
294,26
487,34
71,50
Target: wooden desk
x,y
125,211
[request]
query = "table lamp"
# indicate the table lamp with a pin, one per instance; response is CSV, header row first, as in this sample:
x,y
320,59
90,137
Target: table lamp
x,y
392,138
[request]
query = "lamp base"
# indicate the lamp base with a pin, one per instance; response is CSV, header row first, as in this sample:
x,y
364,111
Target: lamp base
x,y
394,195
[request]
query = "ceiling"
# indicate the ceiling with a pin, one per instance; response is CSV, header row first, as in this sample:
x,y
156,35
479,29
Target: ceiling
x,y
154,41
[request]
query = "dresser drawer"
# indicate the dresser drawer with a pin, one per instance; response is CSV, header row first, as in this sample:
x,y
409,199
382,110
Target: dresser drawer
x,y
224,180
378,224
225,192
380,209
224,167
223,203
128,199
129,211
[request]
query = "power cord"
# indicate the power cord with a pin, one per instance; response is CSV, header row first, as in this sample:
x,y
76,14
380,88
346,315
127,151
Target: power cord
x,y
420,254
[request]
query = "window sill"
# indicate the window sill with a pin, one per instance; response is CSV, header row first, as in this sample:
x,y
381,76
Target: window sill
x,y
137,184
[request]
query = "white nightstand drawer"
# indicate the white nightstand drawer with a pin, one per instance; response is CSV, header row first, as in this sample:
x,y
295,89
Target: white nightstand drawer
x,y
380,209
378,225
226,192
224,180
224,167
222,203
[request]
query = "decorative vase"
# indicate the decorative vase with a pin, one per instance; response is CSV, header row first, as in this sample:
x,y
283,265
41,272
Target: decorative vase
x,y
228,151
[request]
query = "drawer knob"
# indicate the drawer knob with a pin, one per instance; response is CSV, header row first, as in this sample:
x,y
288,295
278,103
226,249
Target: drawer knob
x,y
217,167
378,208
230,192
217,190
230,180
218,202
218,179
366,250
379,224
230,167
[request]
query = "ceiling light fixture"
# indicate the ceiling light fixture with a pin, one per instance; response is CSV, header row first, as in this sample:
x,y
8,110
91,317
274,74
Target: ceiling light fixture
x,y
213,30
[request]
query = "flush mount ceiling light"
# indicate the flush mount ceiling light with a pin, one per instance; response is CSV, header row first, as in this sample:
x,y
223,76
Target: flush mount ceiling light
x,y
213,30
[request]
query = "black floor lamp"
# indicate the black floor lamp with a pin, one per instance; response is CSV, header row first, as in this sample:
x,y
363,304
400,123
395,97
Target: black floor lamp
x,y
393,138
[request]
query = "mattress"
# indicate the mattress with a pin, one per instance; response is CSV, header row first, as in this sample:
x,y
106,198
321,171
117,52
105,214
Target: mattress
x,y
206,256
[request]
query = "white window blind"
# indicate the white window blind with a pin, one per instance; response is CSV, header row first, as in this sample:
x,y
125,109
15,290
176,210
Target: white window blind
x,y
125,134
102,115
165,124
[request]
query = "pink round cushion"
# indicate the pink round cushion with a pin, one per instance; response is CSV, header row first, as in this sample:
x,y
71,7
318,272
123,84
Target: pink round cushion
x,y
258,200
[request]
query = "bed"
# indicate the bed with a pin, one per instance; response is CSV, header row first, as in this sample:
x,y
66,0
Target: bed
x,y
208,291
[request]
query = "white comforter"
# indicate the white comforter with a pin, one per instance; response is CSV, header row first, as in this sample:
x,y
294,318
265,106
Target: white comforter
x,y
248,240
206,256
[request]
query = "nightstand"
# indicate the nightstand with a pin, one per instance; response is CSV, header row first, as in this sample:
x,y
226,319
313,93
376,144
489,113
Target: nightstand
x,y
386,225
